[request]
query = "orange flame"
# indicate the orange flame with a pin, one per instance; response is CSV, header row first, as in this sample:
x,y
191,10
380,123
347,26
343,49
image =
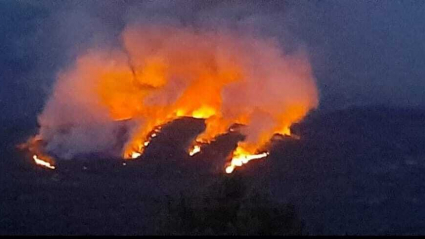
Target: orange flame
x,y
241,157
42,162
196,149
162,73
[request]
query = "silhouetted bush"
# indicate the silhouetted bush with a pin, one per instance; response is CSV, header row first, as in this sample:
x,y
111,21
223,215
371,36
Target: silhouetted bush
x,y
228,207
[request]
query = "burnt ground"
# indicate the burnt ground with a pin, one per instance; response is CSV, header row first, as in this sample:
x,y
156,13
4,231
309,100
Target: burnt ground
x,y
354,171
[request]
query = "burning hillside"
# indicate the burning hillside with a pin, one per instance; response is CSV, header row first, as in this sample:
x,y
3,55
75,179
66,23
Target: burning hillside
x,y
114,101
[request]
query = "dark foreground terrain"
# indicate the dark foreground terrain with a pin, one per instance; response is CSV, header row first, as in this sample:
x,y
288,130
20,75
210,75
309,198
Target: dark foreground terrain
x,y
354,171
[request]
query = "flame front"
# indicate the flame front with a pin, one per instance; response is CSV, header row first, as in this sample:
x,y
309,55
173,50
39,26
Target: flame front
x,y
242,158
41,162
135,155
161,73
196,149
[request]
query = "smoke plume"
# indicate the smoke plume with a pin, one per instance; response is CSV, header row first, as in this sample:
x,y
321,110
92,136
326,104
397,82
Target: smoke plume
x,y
160,72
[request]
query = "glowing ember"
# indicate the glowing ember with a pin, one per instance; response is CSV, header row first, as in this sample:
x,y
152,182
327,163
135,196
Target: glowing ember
x,y
196,149
41,162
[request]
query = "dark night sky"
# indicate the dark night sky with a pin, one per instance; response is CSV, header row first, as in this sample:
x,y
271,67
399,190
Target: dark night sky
x,y
362,52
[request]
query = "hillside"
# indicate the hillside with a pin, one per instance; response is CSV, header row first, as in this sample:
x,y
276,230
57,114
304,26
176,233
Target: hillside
x,y
354,171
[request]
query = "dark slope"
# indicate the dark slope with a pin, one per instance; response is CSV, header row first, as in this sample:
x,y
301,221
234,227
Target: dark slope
x,y
354,171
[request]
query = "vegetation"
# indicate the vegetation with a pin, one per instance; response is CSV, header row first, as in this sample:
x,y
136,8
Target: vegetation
x,y
228,207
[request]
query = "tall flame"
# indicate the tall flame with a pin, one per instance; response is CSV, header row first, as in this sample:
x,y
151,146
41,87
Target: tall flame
x,y
161,73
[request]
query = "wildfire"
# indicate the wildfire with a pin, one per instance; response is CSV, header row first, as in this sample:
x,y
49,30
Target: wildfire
x,y
137,152
161,73
41,162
